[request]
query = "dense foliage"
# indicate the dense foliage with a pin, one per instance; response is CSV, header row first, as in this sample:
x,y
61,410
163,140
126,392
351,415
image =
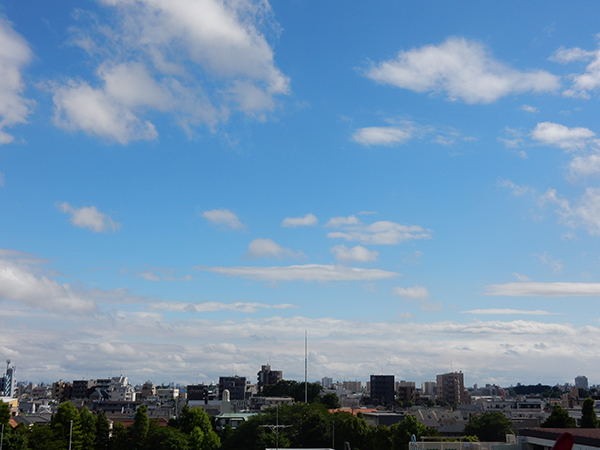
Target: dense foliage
x,y
492,426
88,431
589,419
559,418
292,388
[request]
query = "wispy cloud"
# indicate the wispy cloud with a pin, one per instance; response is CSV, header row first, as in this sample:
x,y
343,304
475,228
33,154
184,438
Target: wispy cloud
x,y
354,254
307,272
522,312
307,221
245,307
224,218
464,69
411,293
537,289
89,217
378,233
268,248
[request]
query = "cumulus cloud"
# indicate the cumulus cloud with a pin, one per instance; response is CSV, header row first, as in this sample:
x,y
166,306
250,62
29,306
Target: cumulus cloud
x,y
307,221
268,248
492,311
20,283
357,253
412,293
379,233
307,272
224,218
463,69
531,109
584,212
14,56
196,60
583,83
89,217
536,289
558,135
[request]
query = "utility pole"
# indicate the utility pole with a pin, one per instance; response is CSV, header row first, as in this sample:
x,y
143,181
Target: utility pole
x,y
305,369
70,434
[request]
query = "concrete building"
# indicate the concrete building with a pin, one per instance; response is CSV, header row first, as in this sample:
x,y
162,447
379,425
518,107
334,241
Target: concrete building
x,y
8,383
451,388
267,376
581,381
428,387
354,386
382,389
407,392
148,390
235,385
81,388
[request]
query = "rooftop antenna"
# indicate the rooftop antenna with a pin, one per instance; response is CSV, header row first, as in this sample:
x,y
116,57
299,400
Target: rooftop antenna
x,y
305,369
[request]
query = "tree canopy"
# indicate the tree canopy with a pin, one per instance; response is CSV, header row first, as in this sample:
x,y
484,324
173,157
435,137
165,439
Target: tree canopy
x,y
559,418
589,418
492,426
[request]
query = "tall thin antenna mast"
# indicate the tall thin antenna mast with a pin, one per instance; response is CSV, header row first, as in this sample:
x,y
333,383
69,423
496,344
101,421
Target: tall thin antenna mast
x,y
305,369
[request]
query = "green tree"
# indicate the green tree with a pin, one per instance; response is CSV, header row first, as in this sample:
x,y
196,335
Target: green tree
x,y
196,423
589,419
403,431
102,432
559,418
66,425
292,388
43,437
119,438
87,423
4,413
380,438
139,429
330,400
492,426
351,429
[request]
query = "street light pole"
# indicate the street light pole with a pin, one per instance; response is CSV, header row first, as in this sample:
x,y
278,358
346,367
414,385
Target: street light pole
x,y
70,434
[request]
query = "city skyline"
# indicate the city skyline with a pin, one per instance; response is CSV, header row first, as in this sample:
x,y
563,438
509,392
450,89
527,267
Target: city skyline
x,y
187,187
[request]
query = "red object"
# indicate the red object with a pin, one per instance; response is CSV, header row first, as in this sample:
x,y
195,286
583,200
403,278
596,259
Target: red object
x,y
564,442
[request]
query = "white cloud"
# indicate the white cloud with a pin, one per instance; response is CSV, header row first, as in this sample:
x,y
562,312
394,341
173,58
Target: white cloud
x,y
223,217
532,289
337,222
381,233
268,248
558,135
89,217
555,264
1,179
357,253
492,311
197,60
389,136
585,212
245,307
585,82
14,56
521,277
463,69
517,190
163,275
430,306
307,221
412,293
531,109
19,282
307,272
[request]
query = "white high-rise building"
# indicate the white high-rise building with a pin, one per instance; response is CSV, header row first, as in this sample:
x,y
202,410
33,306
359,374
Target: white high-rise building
x,y
581,381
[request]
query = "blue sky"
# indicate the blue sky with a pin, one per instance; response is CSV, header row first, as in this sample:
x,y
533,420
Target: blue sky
x,y
187,186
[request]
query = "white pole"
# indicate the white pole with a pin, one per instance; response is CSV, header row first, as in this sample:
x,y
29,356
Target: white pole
x,y
305,370
70,434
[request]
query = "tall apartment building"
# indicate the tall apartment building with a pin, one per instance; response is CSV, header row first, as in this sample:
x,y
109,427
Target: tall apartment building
x,y
382,389
235,385
326,382
268,376
407,392
451,388
581,381
8,383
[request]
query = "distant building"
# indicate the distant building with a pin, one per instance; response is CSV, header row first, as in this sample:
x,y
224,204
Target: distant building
x,y
354,386
407,392
82,388
326,382
8,383
267,376
148,390
382,389
197,392
451,388
428,387
581,382
235,385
